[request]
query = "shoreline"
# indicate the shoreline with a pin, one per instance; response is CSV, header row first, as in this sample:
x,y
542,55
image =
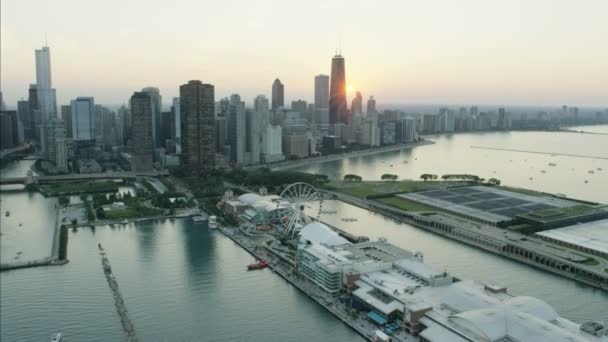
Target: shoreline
x,y
291,164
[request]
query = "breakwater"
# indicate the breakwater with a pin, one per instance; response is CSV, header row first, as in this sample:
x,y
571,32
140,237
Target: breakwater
x,y
119,302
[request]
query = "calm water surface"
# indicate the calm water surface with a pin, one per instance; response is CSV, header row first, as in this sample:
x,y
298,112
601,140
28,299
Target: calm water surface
x,y
182,282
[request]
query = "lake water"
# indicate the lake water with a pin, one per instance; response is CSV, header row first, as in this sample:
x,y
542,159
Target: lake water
x,y
182,282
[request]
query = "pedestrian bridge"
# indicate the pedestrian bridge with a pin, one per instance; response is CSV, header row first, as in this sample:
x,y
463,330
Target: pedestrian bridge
x,y
82,177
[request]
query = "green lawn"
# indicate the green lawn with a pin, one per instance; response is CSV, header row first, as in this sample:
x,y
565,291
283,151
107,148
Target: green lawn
x,y
406,204
366,188
72,188
131,213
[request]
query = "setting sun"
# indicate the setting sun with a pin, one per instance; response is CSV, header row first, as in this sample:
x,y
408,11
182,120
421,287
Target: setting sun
x,y
349,88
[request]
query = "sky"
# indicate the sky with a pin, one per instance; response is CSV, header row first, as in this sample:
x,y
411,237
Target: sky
x,y
503,52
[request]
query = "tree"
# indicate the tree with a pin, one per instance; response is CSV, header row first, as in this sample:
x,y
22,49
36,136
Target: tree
x,y
63,200
427,176
494,181
388,176
352,178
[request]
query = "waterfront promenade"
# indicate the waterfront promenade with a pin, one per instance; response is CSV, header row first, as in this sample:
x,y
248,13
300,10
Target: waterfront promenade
x,y
293,164
522,248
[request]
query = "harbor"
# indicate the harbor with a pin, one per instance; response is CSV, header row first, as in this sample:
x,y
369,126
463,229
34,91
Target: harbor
x,y
380,290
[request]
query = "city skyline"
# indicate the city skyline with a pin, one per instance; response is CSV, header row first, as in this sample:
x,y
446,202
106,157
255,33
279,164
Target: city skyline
x,y
518,58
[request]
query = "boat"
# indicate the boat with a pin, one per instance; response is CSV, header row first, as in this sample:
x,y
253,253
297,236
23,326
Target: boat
x,y
552,164
125,221
199,218
257,266
212,222
543,171
405,162
591,171
58,337
8,213
20,224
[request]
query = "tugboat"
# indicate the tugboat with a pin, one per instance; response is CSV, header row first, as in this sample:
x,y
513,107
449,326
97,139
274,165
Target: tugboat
x,y
257,266
57,337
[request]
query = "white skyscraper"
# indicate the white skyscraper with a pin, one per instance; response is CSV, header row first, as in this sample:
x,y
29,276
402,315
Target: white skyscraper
x,y
47,102
272,144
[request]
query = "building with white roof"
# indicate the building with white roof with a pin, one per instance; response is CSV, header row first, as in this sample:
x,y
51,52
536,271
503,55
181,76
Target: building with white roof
x,y
591,237
390,284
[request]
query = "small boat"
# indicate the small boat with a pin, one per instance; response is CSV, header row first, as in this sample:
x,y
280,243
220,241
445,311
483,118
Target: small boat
x,y
199,218
405,162
257,266
58,337
591,171
543,171
125,221
8,213
586,181
20,224
599,169
552,164
212,222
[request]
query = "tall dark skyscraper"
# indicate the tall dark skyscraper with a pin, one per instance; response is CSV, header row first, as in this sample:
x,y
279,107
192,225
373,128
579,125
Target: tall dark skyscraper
x,y
141,122
197,107
338,110
278,94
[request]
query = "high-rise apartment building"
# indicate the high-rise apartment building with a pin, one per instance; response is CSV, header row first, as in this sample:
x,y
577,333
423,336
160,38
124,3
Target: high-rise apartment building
x,y
8,129
237,135
66,116
321,100
197,107
252,146
356,106
54,130
157,103
83,119
141,122
338,109
278,94
299,106
272,145
25,116
61,154
175,109
260,103
371,106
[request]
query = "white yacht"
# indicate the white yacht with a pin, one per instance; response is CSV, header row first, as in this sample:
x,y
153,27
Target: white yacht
x,y
213,222
199,218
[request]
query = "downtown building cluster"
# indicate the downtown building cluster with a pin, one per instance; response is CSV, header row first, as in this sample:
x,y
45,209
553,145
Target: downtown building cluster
x,y
200,132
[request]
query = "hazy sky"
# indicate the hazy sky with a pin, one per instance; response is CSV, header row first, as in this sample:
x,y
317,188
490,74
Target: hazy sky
x,y
546,52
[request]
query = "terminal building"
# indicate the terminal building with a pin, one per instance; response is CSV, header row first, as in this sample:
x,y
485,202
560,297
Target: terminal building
x,y
395,289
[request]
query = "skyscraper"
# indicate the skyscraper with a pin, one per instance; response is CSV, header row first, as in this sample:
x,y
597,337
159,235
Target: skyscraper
x,y
83,119
252,146
7,134
175,108
338,110
141,123
321,92
356,106
47,102
197,125
237,130
157,103
55,130
278,94
260,103
299,106
371,105
25,115
66,116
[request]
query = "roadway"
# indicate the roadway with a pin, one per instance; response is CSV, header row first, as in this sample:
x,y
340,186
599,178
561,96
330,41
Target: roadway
x,y
84,176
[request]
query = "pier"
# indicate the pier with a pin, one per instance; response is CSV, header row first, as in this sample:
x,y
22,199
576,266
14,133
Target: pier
x,y
119,302
539,152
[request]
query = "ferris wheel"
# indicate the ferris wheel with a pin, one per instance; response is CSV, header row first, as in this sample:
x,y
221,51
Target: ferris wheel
x,y
299,196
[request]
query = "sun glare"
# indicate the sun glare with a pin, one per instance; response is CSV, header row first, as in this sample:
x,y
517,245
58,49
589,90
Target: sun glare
x,y
349,88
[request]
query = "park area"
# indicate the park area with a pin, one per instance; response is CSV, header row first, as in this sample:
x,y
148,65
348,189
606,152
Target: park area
x,y
378,188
